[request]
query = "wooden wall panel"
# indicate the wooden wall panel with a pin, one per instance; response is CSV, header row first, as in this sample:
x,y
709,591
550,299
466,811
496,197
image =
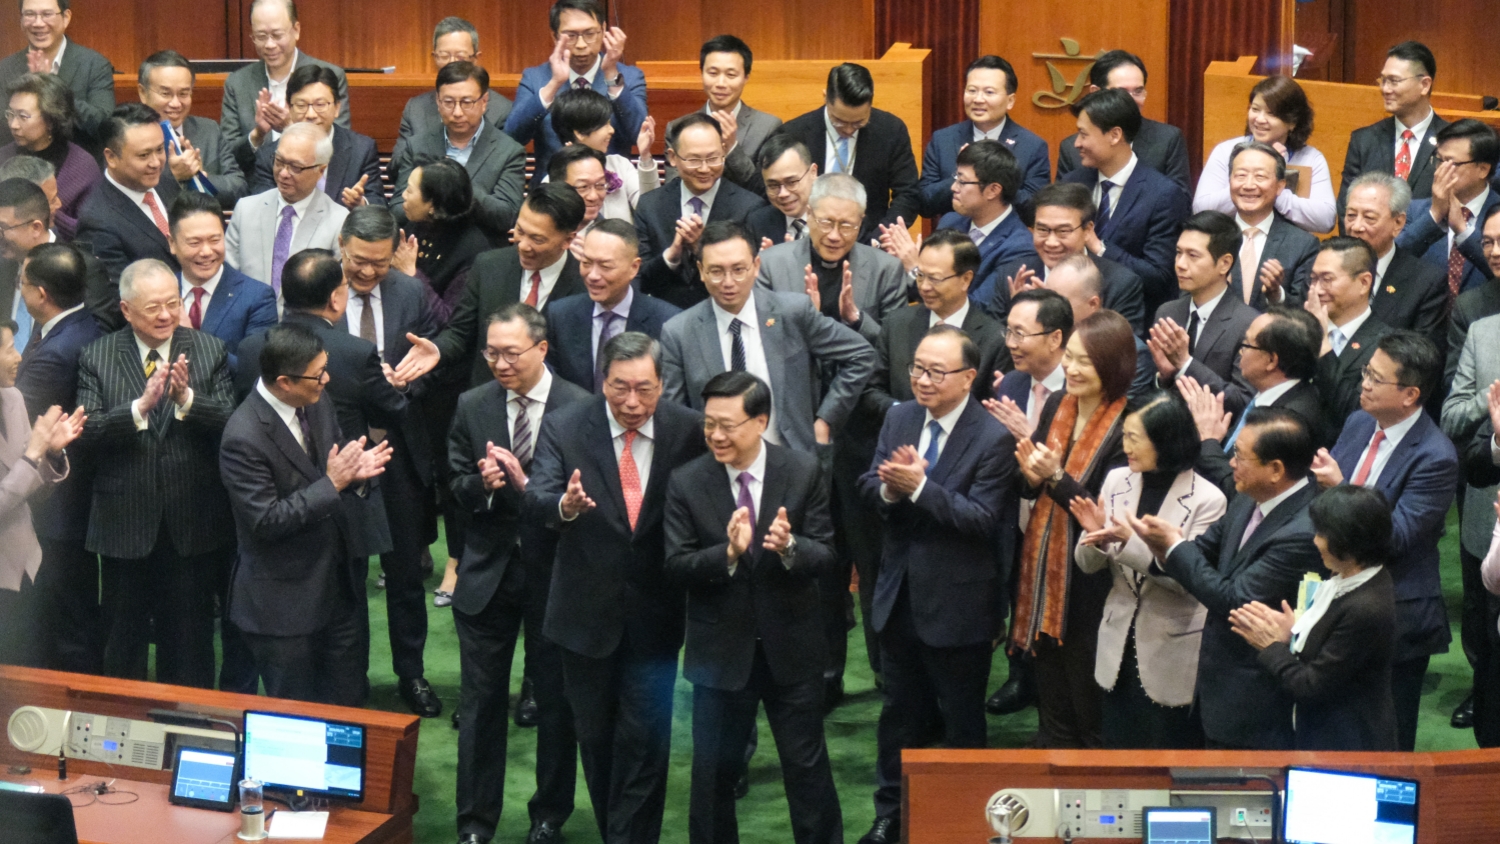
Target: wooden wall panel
x,y
126,31
1461,34
951,31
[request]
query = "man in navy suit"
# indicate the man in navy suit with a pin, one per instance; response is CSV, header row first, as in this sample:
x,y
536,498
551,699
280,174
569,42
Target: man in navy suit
x,y
941,478
986,180
788,172
1390,445
1140,211
579,326
1159,145
216,298
1436,228
125,218
587,55
989,95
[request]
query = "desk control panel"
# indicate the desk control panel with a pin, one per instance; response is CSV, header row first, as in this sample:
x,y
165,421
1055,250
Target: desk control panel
x,y
1118,813
100,738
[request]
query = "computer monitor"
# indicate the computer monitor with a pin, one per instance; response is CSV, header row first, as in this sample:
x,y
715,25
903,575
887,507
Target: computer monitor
x,y
296,754
1178,825
1343,807
36,818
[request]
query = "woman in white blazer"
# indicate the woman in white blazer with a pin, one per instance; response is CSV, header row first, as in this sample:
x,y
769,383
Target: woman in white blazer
x,y
1147,659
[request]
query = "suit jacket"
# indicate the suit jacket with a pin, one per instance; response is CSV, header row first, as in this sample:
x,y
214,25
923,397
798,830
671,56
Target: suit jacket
x,y
1341,679
251,238
1158,145
570,332
797,340
1213,458
753,127
528,122
241,88
496,522
1240,707
1216,355
1372,149
897,347
76,179
1465,411
20,481
1141,232
494,281
219,164
1419,480
1340,377
767,223
1426,238
48,375
354,157
940,160
496,168
118,232
101,295
879,280
1413,294
1294,248
883,163
166,474
1009,244
1122,291
656,216
420,114
770,600
241,306
294,528
90,77
1471,306
943,545
608,585
1165,621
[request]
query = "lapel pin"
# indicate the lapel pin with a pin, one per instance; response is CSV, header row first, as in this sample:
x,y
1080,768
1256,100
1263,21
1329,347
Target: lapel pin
x,y
1355,345
1390,288
770,322
1011,141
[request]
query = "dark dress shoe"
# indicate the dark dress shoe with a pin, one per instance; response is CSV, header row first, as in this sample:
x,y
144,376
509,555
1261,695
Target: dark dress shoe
x,y
420,697
526,707
883,831
543,831
472,838
742,786
833,693
1463,716
1012,697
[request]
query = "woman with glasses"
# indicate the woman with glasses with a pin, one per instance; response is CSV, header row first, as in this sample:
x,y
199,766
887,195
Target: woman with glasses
x,y
353,176
1147,658
583,117
39,113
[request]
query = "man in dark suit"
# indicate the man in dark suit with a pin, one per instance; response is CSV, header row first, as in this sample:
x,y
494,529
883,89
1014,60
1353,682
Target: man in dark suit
x,y
195,153
586,54
1140,211
125,218
496,164
669,221
494,431
1258,551
216,298
1409,292
725,61
25,223
600,478
1403,143
1341,278
1479,302
1390,445
1159,145
989,95
352,175
1275,255
849,135
453,40
986,180
1465,160
294,594
1199,334
87,73
941,479
157,396
749,552
581,325
788,173
1079,281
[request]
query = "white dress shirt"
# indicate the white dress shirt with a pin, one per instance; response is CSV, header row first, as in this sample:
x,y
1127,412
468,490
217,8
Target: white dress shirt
x,y
1205,312
277,87
1417,132
1393,436
165,350
51,323
989,228
139,199
1118,181
300,207
622,316
550,275
1348,329
1382,264
538,395
1268,396
1054,382
993,134
287,413
1265,508
945,424
208,288
1475,206
57,59
755,352
834,165
642,450
955,319
356,309
707,198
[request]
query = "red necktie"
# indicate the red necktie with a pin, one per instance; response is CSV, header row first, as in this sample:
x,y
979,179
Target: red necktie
x,y
630,480
535,292
195,313
1369,462
1403,158
1456,263
156,215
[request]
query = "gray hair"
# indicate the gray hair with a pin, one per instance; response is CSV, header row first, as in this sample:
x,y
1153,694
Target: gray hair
x,y
536,324
140,271
1398,190
1087,271
370,223
322,142
452,24
632,345
838,186
29,168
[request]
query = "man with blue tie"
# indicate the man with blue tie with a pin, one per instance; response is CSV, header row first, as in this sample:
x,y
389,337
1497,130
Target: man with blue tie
x,y
216,298
1390,445
1339,296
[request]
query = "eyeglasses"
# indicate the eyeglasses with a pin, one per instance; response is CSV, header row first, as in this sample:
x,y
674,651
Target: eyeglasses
x,y
1244,456
960,181
494,355
587,36
445,58
1244,346
846,126
1007,333
319,107
712,425
155,309
1062,232
1385,82
21,225
168,94
936,376
379,265
718,274
700,163
846,229
45,15
279,163
1369,375
1456,163
621,389
933,280
268,37
448,103
320,377
590,187
774,188
22,116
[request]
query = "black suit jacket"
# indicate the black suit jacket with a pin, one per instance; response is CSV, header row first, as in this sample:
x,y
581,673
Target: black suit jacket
x,y
89,75
769,599
166,474
570,332
1216,354
48,375
1157,144
608,588
900,335
1340,378
1213,459
767,222
883,163
1141,232
1240,704
1414,294
656,216
1372,149
354,156
118,232
1122,291
1295,249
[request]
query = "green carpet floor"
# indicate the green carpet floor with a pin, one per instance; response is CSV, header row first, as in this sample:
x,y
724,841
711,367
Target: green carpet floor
x,y
763,815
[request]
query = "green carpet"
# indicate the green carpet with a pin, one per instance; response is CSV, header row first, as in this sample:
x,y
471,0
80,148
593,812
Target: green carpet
x,y
763,815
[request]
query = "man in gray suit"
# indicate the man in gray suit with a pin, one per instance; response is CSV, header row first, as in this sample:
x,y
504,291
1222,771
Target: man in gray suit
x,y
87,74
496,164
255,105
195,155
779,337
268,228
724,62
453,40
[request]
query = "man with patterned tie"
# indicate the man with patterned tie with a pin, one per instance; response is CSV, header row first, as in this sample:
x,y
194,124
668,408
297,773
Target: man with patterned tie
x,y
1339,296
1444,229
125,218
788,172
215,298
1403,143
600,479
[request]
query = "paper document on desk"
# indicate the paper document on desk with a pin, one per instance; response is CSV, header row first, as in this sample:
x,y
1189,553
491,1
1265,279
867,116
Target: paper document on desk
x,y
298,825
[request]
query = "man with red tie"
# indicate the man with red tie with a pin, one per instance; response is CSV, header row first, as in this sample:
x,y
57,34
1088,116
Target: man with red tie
x,y
215,298
1403,143
1444,228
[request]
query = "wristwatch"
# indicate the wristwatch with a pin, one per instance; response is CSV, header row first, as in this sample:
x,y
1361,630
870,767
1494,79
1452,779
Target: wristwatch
x,y
1057,476
618,81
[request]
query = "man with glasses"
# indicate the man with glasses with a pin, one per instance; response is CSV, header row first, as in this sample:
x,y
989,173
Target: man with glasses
x,y
352,177
788,174
586,54
496,164
256,101
87,74
453,40
1401,144
724,62
196,154
1439,226
1339,297
670,220
1408,292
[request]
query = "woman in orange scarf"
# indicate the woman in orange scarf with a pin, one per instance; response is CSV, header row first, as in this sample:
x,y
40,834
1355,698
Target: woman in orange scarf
x,y
1058,607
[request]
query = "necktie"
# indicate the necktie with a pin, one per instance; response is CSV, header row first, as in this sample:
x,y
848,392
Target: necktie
x,y
1336,340
606,321
157,217
630,479
25,325
1456,263
1192,331
1235,434
535,293
307,437
282,248
152,359
698,207
745,499
1369,462
581,83
976,234
366,318
841,161
1250,262
1403,158
799,229
736,346
195,312
521,443
1039,396
1102,217
934,439
1256,518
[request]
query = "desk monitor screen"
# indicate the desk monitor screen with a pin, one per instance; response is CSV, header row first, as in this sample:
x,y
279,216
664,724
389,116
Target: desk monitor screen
x,y
203,778
1179,825
293,753
1337,807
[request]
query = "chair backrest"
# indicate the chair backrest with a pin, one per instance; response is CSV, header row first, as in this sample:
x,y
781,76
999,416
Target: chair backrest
x,y
29,818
